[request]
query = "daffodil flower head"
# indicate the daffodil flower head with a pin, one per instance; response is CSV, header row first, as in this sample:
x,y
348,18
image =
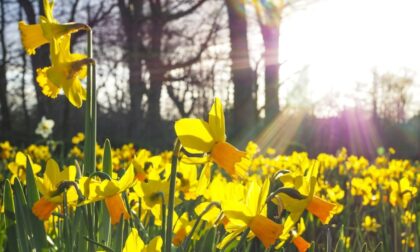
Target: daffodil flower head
x,y
198,136
49,187
182,227
18,167
66,73
67,69
300,197
141,165
47,31
301,244
5,150
110,190
252,213
370,224
44,127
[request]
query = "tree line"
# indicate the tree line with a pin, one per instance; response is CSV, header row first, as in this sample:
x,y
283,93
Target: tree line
x,y
160,60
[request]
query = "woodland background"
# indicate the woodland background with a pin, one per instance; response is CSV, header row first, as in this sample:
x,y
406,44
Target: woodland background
x,y
159,60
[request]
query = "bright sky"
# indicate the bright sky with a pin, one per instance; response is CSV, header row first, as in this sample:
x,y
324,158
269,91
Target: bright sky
x,y
342,41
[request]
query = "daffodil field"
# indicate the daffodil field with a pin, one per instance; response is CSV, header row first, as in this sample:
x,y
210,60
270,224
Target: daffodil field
x,y
204,195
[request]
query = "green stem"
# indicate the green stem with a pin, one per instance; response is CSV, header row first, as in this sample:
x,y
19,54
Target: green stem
x,y
90,112
190,235
171,202
242,241
163,209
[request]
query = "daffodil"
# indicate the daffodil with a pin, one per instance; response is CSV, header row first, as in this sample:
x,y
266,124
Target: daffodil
x,y
47,31
141,165
198,136
52,194
110,190
135,243
401,192
38,153
18,168
78,138
182,227
187,178
67,69
251,213
370,224
153,195
408,218
65,73
296,201
300,243
5,150
44,127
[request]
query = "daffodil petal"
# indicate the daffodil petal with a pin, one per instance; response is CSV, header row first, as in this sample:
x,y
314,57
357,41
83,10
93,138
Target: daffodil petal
x,y
217,121
194,134
133,242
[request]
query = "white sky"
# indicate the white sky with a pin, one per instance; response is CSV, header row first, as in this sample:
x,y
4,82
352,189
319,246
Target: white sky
x,y
342,41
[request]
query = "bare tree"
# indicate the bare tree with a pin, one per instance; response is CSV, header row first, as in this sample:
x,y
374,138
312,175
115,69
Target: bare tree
x,y
5,112
147,26
244,107
394,95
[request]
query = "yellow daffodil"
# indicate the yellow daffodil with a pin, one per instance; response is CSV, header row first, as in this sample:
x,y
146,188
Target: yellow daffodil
x,y
408,218
135,243
49,187
5,150
409,240
401,192
301,244
67,69
18,168
141,165
370,224
152,193
198,136
252,213
366,188
38,153
66,73
110,190
296,205
187,180
47,31
76,152
182,227
78,138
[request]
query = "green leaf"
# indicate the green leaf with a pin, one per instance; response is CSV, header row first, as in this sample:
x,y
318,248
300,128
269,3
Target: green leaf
x,y
32,197
119,236
207,243
23,224
9,211
104,225
31,189
107,161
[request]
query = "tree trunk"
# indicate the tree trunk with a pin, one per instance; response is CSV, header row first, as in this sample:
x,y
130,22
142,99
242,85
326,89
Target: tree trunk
x,y
155,66
271,58
5,112
136,88
244,107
